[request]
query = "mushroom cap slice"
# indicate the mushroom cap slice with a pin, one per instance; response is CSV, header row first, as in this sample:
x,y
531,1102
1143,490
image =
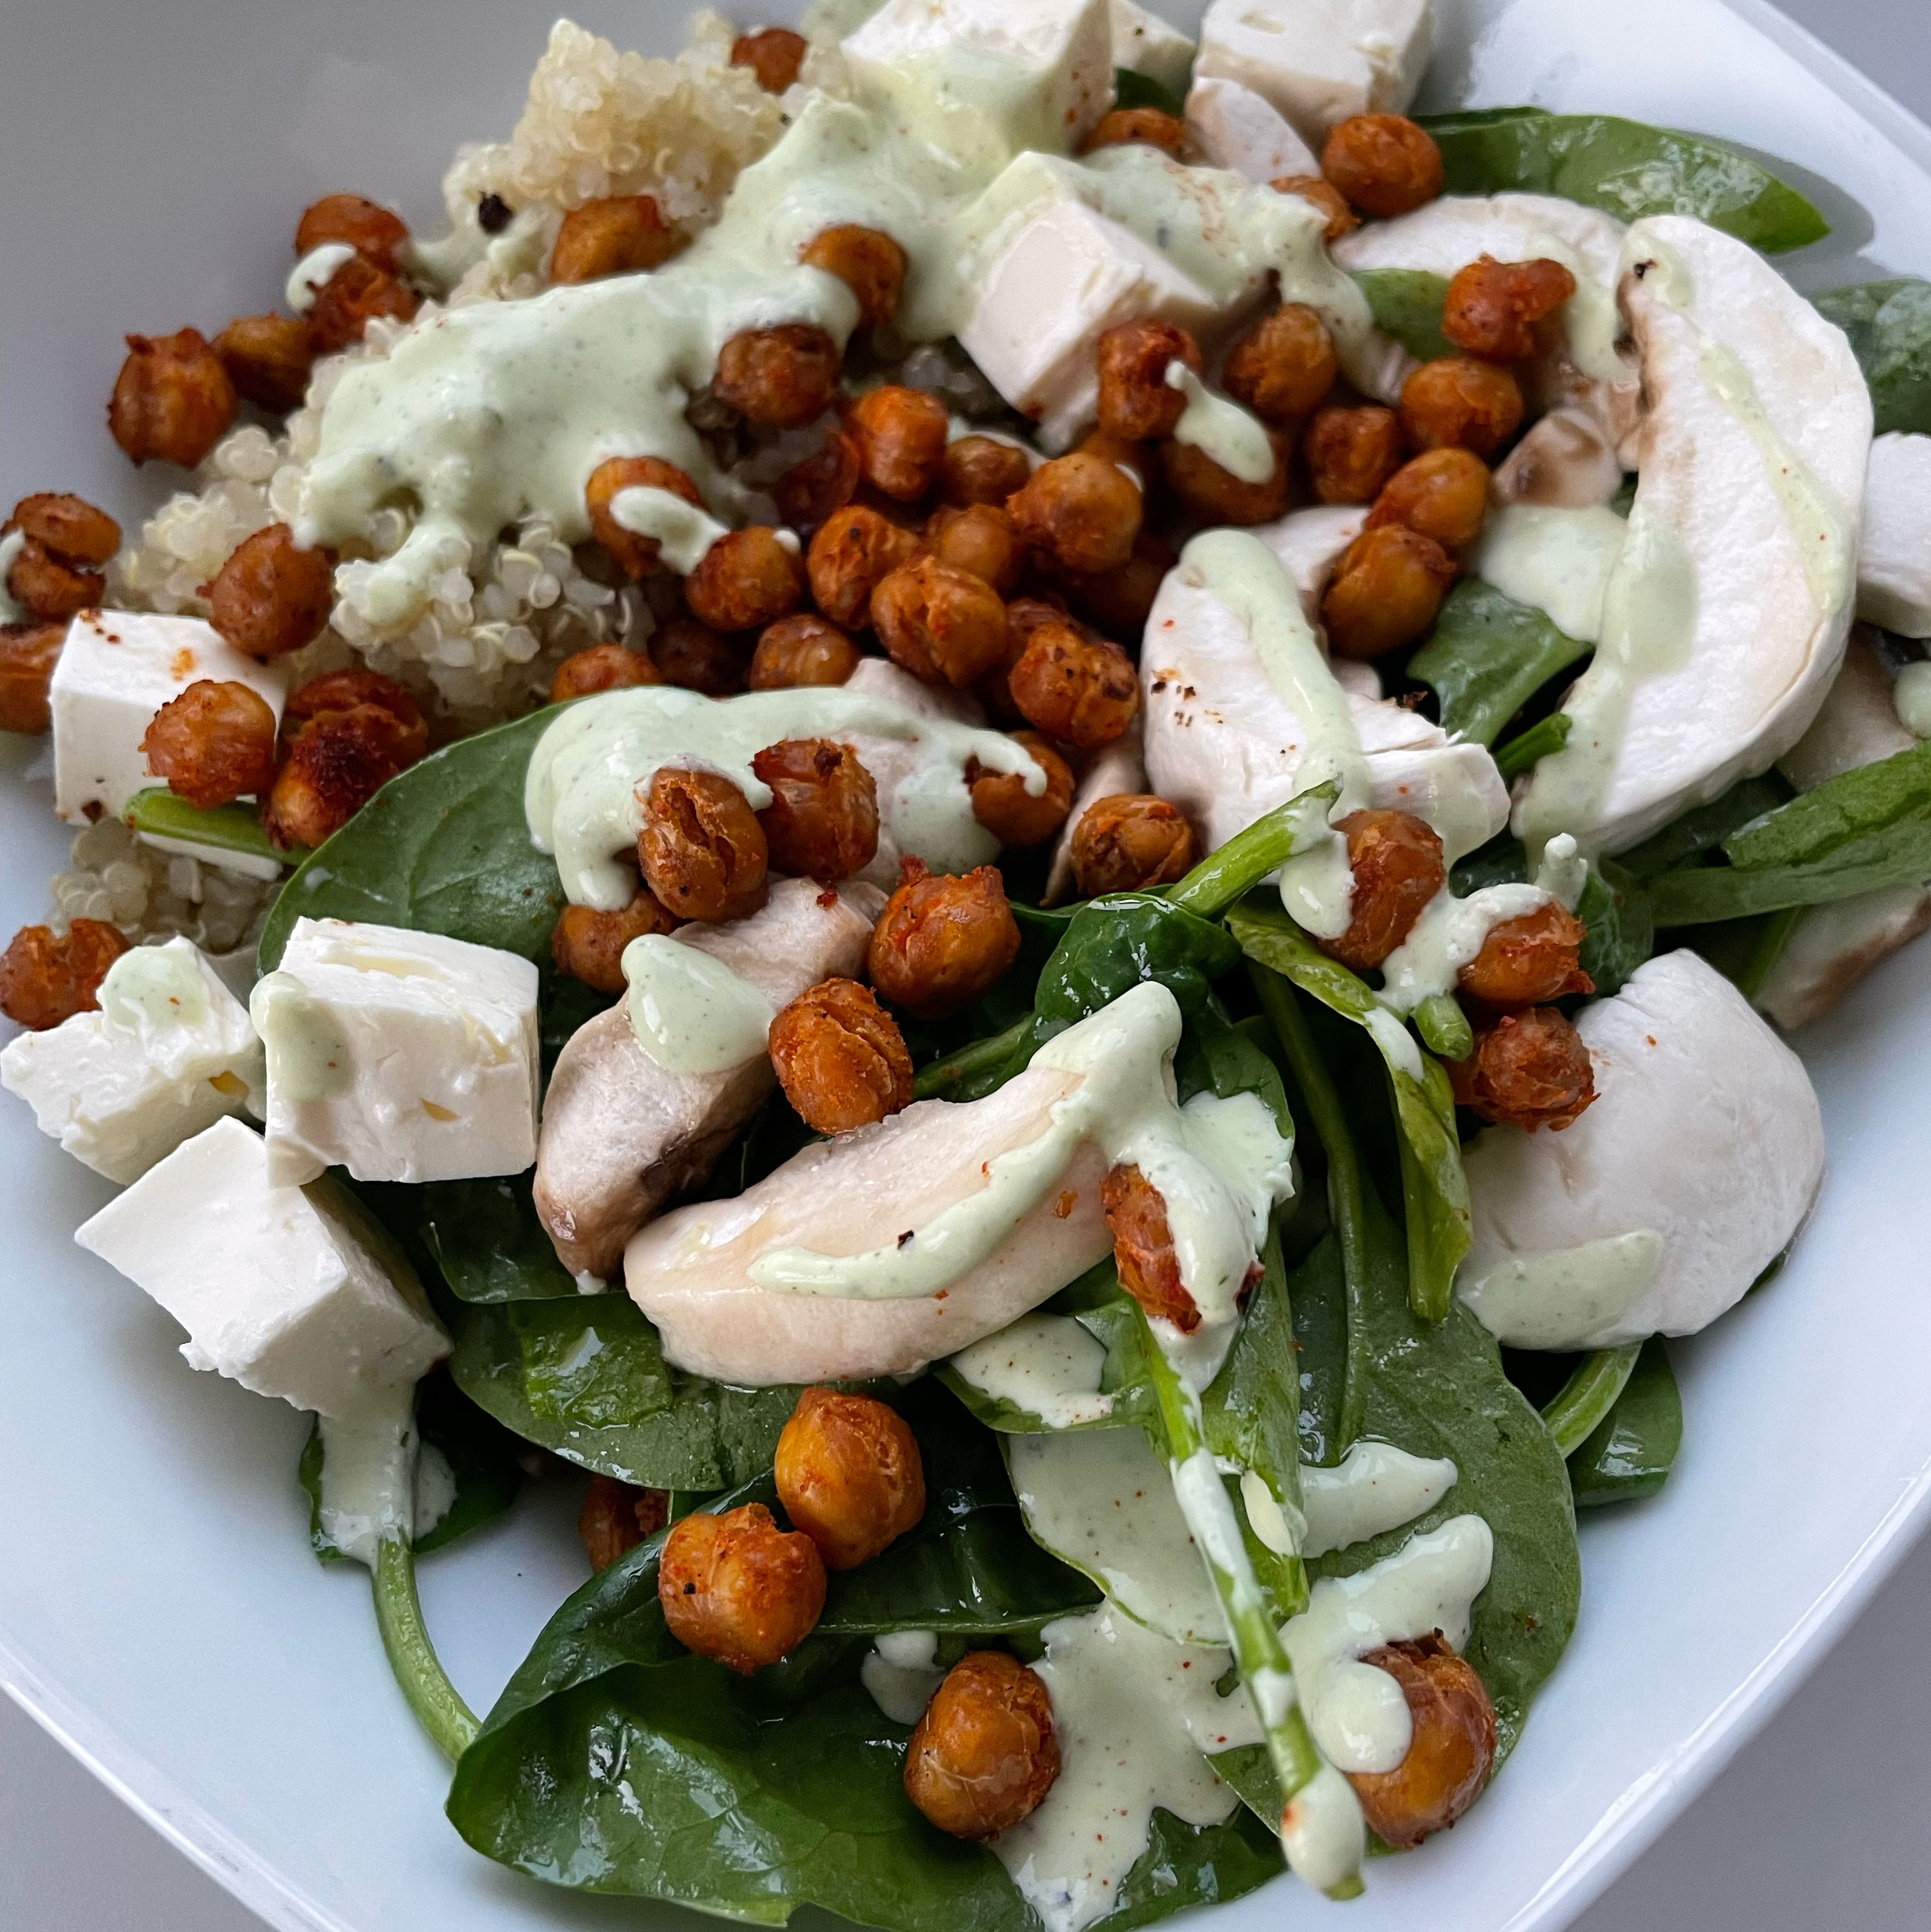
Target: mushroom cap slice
x,y
1894,559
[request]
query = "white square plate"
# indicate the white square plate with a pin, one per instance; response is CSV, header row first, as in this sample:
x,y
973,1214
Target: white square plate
x,y
159,1608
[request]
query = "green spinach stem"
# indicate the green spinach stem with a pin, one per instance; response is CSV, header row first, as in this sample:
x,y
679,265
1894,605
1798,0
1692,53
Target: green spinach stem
x,y
1250,856
1574,1413
994,1050
412,1656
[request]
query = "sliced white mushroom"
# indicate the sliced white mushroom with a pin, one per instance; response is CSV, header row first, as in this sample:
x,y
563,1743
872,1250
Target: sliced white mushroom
x,y
1894,557
1567,460
1311,542
1116,768
1232,127
1725,617
1657,1209
622,1134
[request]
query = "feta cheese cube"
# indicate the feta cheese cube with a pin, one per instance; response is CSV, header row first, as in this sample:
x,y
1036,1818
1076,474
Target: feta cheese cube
x,y
1143,43
291,1292
1233,127
1894,554
1319,60
169,1052
401,1056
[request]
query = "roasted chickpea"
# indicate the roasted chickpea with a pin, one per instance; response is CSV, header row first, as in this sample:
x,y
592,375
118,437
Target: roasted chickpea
x,y
46,588
1119,601
867,260
1217,494
1493,306
1283,368
1457,399
1342,220
1146,127
1396,860
1023,616
1384,163
901,440
944,626
1082,509
601,667
1143,1247
748,578
67,527
1530,1069
1529,960
783,377
617,1517
774,54
738,1588
1389,585
802,649
268,358
271,597
842,1064
337,762
617,235
352,297
634,555
822,822
172,399
588,945
1135,403
686,653
1130,842
213,744
979,540
46,977
847,1468
816,485
985,1752
982,469
1452,1751
702,850
28,654
941,941
1351,452
1083,692
1441,494
1012,815
855,551
365,226
343,691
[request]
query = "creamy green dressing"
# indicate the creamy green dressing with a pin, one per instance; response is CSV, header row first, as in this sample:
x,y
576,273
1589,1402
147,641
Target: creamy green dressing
x,y
1375,1487
313,272
1047,1365
308,1057
690,1012
1220,429
1912,697
11,545
1563,872
369,1472
1559,561
1555,1297
685,533
149,988
900,1672
1449,933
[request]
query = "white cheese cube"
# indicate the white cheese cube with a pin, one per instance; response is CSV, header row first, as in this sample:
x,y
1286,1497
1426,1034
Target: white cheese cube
x,y
291,1292
401,1056
1319,60
1143,43
1034,73
169,1052
1894,554
1233,127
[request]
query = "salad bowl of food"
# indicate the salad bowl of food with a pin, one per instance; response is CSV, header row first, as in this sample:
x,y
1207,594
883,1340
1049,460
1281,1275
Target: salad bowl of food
x,y
1018,857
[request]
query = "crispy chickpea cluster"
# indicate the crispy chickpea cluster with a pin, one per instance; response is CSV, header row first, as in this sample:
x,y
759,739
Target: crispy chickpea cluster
x,y
1385,591
213,744
172,401
63,539
702,850
1529,1069
984,1753
842,1064
271,597
942,940
1351,452
1146,127
28,652
1120,600
945,626
268,358
634,554
1442,494
1130,842
588,945
901,440
1143,1247
1452,1751
1528,961
618,235
849,1472
1492,307
1456,399
1383,164
601,667
1283,367
747,579
347,735
46,977
1012,815
738,1588
616,1516
979,539
1082,509
802,649
353,297
1217,494
1082,691
696,658
783,377
1135,403
867,260
822,822
1342,220
773,54
815,485
372,230
982,469
1396,860
854,551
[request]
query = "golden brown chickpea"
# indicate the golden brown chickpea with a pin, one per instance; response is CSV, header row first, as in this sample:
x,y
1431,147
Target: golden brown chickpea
x,y
944,626
1351,452
1529,1069
979,540
352,297
867,260
747,579
46,588
601,667
822,822
1135,404
588,945
1083,692
1441,494
213,744
982,469
855,551
1383,163
1145,127
1529,960
1012,815
618,235
1493,306
842,1064
816,485
783,377
702,850
1119,601
1389,585
1457,399
271,597
28,654
941,941
1342,220
1451,1752
738,1588
1217,494
901,440
774,54
337,762
1082,509
67,527
1023,616
1397,862
268,358
634,555
985,1752
617,1517
344,691
686,653
1283,368
46,977
1143,1247
802,649
172,399
365,226
1130,842
847,1468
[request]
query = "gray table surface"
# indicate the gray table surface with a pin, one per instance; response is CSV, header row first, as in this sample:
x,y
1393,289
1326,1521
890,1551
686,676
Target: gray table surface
x,y
1819,1822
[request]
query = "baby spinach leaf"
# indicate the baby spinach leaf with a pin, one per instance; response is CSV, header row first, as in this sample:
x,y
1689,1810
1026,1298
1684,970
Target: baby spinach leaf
x,y
1133,89
1626,168
1407,304
487,1240
1698,833
1487,657
1631,1453
1834,816
1889,324
1114,943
